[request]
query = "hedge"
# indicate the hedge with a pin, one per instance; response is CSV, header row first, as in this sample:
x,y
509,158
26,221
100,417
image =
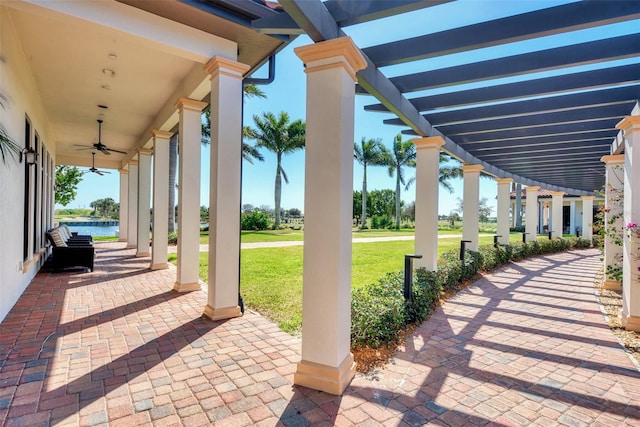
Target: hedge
x,y
379,313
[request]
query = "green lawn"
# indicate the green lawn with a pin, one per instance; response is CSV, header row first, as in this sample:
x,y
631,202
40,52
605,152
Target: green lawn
x,y
298,235
271,278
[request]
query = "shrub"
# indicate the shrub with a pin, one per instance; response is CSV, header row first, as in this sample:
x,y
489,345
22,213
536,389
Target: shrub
x,y
255,221
377,312
381,221
173,238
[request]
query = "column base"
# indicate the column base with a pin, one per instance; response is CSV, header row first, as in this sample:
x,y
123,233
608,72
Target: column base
x,y
612,285
142,254
629,322
186,287
160,266
123,239
325,378
132,247
222,313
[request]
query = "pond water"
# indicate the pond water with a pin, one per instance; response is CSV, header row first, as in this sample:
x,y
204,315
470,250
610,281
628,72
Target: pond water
x,y
96,230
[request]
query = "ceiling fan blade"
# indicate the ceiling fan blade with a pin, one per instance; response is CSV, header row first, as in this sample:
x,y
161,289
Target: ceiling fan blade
x,y
116,151
99,173
105,151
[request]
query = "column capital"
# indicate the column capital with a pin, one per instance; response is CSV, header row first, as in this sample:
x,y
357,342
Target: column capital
x,y
218,65
629,125
334,53
123,171
557,193
431,142
161,134
190,104
132,162
471,168
532,188
504,180
144,151
613,159
587,197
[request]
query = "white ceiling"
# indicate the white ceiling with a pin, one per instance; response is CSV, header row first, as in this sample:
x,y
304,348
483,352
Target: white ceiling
x,y
67,55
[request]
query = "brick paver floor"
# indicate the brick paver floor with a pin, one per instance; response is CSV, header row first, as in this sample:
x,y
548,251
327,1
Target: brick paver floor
x,y
526,345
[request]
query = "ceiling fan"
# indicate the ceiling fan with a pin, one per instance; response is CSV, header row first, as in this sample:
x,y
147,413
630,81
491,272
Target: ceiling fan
x,y
99,145
93,166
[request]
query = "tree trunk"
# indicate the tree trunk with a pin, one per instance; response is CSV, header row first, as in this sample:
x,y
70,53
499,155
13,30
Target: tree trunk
x,y
173,161
398,199
278,190
364,199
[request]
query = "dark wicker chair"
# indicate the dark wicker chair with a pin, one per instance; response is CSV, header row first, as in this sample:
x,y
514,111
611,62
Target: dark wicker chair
x,y
76,254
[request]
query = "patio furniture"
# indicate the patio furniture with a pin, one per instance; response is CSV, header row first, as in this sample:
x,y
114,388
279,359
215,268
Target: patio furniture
x,y
70,254
74,236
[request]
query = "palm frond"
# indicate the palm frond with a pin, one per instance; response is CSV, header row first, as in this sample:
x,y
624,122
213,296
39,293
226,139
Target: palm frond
x,y
8,147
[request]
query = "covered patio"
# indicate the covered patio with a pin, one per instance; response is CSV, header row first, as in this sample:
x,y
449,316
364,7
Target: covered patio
x,y
526,345
149,70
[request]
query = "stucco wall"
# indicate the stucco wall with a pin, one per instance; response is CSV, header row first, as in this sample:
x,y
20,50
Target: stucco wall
x,y
22,99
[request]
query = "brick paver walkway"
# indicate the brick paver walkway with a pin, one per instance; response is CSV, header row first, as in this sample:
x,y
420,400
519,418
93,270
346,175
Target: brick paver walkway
x,y
526,345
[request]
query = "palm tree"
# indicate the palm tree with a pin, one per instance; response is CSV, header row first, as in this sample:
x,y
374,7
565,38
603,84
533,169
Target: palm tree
x,y
8,147
403,154
279,136
369,152
447,173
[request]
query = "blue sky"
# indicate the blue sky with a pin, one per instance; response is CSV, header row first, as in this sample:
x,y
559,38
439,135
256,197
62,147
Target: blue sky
x,y
287,93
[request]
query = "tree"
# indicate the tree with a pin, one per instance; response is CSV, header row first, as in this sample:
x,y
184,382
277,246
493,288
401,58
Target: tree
x,y
281,137
67,180
447,173
8,147
402,155
409,211
173,160
294,213
484,210
247,208
381,202
369,152
357,206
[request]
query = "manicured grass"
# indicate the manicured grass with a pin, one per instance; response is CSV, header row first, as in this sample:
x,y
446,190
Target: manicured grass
x,y
271,278
105,238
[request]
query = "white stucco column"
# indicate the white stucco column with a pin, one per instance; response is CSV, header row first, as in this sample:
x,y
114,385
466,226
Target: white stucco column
x,y
144,201
160,223
224,188
572,217
587,217
327,363
427,186
124,205
613,216
630,125
470,204
190,130
531,213
556,214
132,218
503,210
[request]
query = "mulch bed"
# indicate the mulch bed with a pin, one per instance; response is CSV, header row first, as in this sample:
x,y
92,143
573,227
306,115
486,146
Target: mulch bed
x,y
611,304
